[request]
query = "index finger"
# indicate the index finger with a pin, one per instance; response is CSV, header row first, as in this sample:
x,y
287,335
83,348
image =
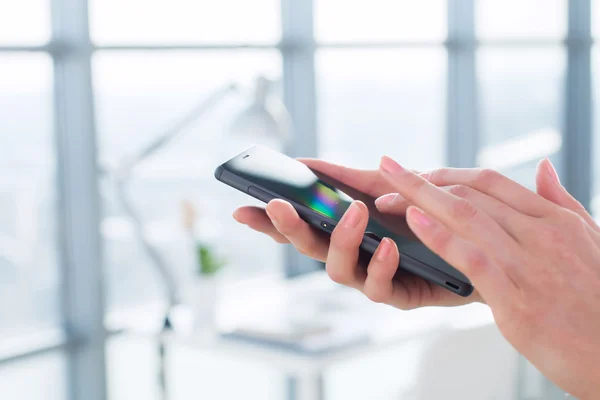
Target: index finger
x,y
496,185
370,182
455,212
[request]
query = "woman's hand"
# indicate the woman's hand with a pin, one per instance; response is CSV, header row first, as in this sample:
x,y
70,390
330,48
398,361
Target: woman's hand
x,y
340,251
534,258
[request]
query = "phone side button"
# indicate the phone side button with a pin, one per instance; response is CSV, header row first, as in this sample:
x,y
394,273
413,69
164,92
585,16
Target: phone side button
x,y
260,194
372,236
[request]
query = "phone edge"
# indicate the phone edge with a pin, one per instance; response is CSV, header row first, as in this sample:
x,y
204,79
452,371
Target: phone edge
x,y
407,262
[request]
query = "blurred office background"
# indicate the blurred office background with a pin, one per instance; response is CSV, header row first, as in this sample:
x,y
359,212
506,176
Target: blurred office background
x,y
83,85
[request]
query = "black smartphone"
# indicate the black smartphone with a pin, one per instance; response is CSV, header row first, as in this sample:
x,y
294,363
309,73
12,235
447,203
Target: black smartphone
x,y
321,201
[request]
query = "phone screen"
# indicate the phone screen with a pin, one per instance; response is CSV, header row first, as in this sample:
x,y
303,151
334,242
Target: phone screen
x,y
292,180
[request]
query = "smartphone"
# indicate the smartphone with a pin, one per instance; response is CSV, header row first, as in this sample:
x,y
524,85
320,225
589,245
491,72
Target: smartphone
x,y
321,201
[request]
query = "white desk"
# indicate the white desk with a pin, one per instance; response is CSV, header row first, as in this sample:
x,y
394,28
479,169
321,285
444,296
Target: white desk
x,y
315,296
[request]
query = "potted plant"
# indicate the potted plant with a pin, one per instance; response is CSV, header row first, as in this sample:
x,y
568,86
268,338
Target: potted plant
x,y
202,297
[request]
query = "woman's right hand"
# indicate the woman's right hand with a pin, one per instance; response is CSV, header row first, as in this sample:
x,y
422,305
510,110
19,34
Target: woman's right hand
x,y
340,252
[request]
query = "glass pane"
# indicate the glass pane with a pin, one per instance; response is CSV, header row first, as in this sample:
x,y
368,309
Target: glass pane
x,y
521,94
35,378
184,21
24,22
138,96
380,20
521,19
376,102
596,18
28,259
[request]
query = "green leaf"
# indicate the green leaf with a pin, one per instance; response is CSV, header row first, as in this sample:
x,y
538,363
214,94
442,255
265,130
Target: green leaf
x,y
208,263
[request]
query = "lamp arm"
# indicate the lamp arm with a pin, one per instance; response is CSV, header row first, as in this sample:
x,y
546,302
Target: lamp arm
x,y
175,130
169,281
123,173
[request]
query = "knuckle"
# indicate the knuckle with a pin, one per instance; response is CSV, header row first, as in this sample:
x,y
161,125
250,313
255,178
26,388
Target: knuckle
x,y
337,274
309,247
416,184
550,235
376,295
575,221
463,209
344,241
303,249
476,262
460,191
486,177
440,241
578,206
288,229
280,240
436,176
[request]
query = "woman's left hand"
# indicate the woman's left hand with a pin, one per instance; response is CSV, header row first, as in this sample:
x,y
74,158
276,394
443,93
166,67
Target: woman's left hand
x,y
534,258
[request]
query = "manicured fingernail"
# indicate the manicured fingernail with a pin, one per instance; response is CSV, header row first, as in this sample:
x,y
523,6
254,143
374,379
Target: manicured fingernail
x,y
390,166
387,199
421,218
385,247
352,217
552,171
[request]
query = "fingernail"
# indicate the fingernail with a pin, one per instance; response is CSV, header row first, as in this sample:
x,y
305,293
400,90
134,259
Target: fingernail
x,y
352,217
421,218
424,175
387,199
236,215
390,166
385,247
552,171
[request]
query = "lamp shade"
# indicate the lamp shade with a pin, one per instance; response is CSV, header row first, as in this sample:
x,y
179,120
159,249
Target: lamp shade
x,y
265,119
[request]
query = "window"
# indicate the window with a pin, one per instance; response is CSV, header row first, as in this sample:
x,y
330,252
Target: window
x,y
29,279
41,377
596,18
165,22
521,108
356,21
374,102
521,20
138,95
388,98
385,77
521,84
24,22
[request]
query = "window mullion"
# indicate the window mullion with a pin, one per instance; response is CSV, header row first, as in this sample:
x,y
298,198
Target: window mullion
x,y
299,96
577,143
79,203
462,130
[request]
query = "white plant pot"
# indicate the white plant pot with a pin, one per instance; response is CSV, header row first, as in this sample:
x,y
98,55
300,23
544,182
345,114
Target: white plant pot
x,y
202,298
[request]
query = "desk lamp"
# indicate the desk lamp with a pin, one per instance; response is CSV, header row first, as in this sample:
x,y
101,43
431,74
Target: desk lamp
x,y
265,116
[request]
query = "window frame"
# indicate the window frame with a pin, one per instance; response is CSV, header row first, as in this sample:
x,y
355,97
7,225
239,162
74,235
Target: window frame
x,y
80,210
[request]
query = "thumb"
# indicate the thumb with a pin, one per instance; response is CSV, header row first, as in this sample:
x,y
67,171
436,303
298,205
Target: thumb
x,y
549,187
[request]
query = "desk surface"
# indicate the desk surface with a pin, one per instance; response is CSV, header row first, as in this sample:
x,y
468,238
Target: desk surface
x,y
311,297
